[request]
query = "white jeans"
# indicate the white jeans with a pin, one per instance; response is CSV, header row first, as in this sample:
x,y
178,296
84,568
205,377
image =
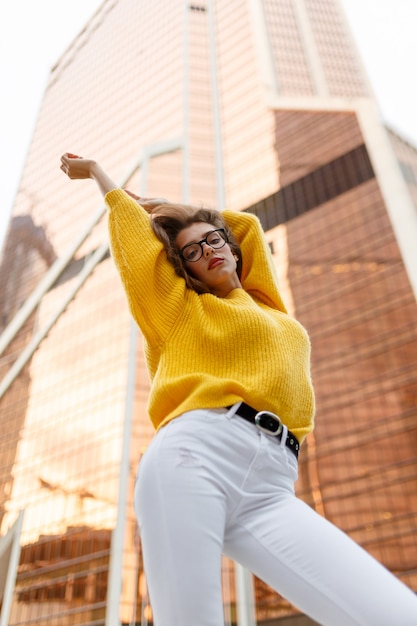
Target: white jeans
x,y
212,483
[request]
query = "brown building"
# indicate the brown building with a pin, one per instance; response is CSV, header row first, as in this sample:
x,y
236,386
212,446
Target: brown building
x,y
260,106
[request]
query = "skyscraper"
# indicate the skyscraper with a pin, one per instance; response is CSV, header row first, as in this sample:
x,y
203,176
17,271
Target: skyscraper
x,y
261,106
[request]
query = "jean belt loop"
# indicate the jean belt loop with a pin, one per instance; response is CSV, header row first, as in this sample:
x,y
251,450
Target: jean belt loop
x,y
284,435
232,410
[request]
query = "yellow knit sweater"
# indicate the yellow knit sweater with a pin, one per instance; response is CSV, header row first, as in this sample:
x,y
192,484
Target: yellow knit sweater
x,y
203,351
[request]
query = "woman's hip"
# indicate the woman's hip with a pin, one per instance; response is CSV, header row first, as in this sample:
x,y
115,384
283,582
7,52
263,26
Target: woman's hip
x,y
221,448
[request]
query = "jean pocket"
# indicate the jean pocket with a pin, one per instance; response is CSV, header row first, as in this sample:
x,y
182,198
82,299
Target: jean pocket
x,y
284,458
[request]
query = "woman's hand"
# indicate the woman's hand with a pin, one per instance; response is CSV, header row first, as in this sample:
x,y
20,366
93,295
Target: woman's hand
x,y
76,167
147,203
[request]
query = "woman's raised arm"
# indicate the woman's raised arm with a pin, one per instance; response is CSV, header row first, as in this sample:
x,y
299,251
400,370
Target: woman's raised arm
x,y
78,168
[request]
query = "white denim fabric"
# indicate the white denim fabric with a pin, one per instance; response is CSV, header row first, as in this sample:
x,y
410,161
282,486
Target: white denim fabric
x,y
212,483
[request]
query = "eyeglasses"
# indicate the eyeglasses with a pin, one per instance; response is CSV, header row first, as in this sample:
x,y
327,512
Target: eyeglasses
x,y
194,251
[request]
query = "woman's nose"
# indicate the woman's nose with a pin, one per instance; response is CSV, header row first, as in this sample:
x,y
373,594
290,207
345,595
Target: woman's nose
x,y
207,249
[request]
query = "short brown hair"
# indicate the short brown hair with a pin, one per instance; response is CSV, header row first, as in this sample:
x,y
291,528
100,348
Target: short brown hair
x,y
169,219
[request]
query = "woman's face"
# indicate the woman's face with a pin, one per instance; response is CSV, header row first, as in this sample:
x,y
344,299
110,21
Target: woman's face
x,y
216,268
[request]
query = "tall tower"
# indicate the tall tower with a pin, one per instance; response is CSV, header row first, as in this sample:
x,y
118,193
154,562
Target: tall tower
x,y
260,106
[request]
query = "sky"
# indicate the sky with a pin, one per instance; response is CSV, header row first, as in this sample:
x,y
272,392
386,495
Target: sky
x,y
35,33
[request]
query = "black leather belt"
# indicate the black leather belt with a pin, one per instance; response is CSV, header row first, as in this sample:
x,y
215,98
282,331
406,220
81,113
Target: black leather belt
x,y
268,423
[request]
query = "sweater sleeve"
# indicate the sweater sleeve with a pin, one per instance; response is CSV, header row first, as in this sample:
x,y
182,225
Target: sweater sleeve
x,y
258,270
154,291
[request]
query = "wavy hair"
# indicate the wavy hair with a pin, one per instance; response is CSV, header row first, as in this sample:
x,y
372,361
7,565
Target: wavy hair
x,y
169,219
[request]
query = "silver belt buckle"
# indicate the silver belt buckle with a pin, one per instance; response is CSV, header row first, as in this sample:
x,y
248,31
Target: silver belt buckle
x,y
266,417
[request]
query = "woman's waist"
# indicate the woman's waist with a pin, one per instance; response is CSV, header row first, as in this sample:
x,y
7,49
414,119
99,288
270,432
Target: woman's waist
x,y
295,410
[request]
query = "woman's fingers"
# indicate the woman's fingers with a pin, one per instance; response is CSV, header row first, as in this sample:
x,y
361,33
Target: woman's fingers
x,y
146,203
132,195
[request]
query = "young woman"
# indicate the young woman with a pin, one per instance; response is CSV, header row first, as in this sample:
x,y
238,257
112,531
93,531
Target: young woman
x,y
231,401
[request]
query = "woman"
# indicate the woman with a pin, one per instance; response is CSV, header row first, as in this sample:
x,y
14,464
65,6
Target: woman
x,y
231,401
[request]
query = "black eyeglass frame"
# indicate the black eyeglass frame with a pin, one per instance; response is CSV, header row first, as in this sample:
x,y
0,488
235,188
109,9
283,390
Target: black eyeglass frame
x,y
224,236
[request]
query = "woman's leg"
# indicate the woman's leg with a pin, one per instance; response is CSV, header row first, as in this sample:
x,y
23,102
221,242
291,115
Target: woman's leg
x,y
308,560
181,516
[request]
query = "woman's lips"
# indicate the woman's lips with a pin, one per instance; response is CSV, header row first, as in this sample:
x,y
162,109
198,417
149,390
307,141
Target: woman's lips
x,y
214,262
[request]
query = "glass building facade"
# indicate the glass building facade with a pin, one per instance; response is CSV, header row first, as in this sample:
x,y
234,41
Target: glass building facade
x,y
260,106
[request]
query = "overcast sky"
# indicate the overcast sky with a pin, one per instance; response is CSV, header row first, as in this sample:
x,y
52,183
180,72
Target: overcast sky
x,y
34,34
